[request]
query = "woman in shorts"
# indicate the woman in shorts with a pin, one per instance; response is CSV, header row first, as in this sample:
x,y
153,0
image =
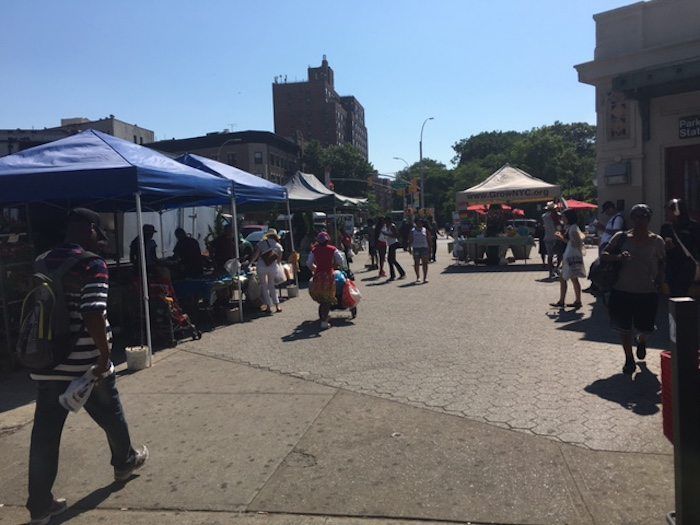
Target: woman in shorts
x,y
420,244
635,295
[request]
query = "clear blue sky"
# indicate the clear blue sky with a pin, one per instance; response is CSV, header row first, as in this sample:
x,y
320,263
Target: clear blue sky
x,y
184,68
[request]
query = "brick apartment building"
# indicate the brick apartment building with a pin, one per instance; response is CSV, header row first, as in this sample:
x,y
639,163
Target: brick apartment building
x,y
312,110
14,140
261,153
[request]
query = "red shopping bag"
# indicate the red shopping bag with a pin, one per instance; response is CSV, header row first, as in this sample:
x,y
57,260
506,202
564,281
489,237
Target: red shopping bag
x,y
351,295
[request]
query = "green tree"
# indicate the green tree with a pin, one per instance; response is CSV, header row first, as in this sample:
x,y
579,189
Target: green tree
x,y
349,170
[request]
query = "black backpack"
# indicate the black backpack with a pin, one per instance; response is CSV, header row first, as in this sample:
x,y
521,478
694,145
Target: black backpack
x,y
45,339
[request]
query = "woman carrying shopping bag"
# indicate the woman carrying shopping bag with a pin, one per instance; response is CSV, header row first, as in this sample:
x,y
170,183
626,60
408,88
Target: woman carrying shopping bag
x,y
268,254
572,265
322,261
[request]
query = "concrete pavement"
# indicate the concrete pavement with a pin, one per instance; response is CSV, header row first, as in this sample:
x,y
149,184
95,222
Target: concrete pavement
x,y
338,427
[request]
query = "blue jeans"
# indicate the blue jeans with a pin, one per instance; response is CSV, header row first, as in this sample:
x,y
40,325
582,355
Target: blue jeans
x,y
104,408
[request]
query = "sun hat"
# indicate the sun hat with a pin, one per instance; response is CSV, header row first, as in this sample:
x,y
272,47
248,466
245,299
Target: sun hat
x,y
271,233
550,206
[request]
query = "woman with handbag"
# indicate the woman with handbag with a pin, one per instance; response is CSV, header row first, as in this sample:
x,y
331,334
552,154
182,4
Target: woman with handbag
x,y
635,295
572,264
268,254
682,238
322,261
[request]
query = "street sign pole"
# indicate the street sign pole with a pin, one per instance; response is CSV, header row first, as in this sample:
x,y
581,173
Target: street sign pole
x,y
683,318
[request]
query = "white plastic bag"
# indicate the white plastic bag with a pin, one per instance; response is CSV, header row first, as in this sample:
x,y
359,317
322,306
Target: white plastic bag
x,y
79,390
280,276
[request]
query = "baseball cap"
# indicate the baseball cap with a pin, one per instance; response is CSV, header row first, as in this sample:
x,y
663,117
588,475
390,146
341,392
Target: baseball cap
x,y
323,237
88,216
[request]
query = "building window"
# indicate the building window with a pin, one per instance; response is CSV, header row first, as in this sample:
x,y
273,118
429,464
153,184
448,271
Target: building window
x,y
258,157
141,140
231,159
136,139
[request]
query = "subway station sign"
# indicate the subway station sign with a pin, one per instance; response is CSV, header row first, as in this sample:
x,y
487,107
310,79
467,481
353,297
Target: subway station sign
x,y
689,127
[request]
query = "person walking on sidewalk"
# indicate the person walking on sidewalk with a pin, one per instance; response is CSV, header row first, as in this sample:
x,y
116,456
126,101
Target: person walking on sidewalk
x,y
572,266
635,294
322,261
268,254
382,245
612,221
682,237
391,235
371,244
419,241
550,221
85,287
432,229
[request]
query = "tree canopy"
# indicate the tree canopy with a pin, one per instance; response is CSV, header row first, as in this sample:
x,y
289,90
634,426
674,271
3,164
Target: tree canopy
x,y
560,153
348,168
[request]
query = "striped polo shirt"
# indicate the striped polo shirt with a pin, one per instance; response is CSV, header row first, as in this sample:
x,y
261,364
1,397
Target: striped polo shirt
x,y
85,287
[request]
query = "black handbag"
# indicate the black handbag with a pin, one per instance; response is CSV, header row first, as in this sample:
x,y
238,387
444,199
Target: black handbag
x,y
604,274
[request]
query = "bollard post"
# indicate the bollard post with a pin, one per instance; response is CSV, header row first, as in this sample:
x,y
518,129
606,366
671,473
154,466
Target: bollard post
x,y
683,318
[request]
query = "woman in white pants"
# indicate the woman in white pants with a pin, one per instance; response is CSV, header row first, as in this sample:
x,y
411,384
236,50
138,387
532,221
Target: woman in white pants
x,y
268,254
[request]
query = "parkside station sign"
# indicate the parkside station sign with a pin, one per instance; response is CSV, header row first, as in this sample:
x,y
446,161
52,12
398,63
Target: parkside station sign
x,y
689,127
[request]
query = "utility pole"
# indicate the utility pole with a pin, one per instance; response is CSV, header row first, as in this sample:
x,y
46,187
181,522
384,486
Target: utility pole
x,y
420,163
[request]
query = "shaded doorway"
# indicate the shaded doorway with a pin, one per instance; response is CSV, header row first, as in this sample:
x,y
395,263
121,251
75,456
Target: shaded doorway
x,y
683,176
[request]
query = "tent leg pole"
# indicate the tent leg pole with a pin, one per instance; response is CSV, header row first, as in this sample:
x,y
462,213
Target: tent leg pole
x,y
234,218
291,238
162,239
144,276
335,226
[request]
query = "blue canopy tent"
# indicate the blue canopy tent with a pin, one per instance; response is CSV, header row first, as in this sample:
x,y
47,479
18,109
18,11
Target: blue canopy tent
x,y
108,174
246,190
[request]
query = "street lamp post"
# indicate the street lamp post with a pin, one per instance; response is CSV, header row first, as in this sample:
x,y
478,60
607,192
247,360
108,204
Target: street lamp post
x,y
420,163
218,152
404,189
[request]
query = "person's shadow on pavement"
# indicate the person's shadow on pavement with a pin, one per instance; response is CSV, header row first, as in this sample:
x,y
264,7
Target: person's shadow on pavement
x,y
640,394
306,330
91,501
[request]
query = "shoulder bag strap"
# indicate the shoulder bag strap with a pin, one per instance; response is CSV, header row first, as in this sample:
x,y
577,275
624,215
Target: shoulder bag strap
x,y
685,250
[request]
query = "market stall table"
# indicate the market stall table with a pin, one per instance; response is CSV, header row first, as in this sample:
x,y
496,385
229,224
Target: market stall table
x,y
473,248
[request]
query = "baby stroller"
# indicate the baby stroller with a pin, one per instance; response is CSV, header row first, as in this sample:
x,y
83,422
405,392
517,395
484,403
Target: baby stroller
x,y
346,291
168,321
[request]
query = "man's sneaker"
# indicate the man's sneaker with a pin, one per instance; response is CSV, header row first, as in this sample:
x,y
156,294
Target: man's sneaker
x,y
58,506
325,325
641,349
123,474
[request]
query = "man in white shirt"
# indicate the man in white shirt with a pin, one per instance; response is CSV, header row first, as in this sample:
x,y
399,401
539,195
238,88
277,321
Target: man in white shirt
x,y
615,223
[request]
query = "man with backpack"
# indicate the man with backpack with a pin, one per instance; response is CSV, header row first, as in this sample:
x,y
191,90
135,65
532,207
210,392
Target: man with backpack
x,y
78,283
612,221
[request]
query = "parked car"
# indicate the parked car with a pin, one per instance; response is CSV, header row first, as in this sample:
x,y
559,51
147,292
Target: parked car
x,y
247,229
529,224
255,237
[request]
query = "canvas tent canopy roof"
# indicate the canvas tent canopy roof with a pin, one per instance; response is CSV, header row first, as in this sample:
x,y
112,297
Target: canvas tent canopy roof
x,y
248,189
104,172
508,185
301,197
311,181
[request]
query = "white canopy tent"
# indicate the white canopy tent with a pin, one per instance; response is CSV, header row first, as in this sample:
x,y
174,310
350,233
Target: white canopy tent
x,y
508,185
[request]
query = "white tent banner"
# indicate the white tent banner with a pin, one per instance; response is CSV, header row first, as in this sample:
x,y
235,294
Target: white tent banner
x,y
508,185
